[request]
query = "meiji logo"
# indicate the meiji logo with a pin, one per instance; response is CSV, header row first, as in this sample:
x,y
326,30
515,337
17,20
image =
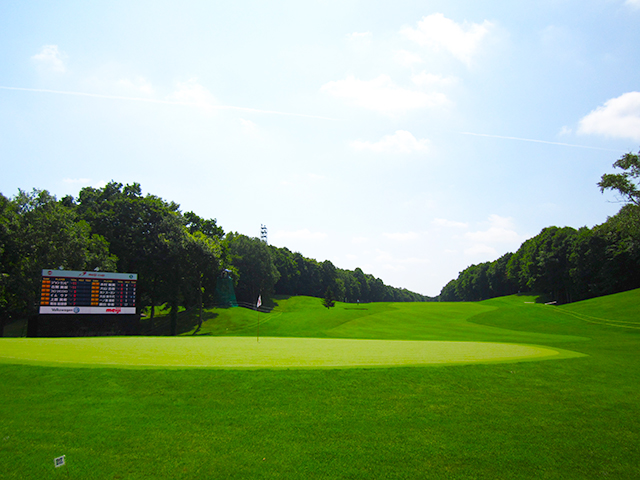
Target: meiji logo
x,y
113,310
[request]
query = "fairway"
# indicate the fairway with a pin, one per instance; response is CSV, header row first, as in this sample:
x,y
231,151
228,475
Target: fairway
x,y
269,352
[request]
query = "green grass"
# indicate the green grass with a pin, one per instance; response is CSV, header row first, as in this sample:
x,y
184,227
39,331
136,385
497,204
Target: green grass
x,y
269,352
571,418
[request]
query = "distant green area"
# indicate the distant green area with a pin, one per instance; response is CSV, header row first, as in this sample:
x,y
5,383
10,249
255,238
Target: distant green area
x,y
571,418
305,317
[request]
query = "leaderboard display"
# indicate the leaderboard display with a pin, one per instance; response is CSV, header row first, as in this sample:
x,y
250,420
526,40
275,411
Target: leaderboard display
x,y
70,291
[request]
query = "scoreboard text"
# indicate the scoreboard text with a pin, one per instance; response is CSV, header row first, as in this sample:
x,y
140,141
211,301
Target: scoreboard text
x,y
69,291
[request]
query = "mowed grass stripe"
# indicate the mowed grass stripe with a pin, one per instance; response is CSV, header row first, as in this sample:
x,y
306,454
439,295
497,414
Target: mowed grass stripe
x,y
269,352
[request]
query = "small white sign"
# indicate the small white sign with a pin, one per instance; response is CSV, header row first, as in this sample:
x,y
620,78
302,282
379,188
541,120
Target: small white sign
x,y
59,461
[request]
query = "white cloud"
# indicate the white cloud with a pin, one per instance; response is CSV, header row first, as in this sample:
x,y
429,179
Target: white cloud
x,y
402,237
305,234
382,95
400,142
51,58
499,231
82,181
480,249
633,3
618,117
192,93
138,84
249,127
565,131
424,79
441,222
406,59
359,35
359,240
462,40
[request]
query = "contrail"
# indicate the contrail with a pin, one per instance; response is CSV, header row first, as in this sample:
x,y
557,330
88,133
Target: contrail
x,y
170,102
537,141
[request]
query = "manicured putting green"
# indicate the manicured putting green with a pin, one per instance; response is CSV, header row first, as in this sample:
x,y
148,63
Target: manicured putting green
x,y
269,352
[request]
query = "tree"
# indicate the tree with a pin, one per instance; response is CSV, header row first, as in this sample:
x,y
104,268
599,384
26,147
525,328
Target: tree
x,y
147,234
329,300
37,232
257,272
625,183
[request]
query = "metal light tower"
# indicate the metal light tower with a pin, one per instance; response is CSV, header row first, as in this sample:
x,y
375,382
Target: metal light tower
x,y
263,233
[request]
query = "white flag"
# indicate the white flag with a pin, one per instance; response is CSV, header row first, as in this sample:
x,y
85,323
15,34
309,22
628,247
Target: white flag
x,y
259,301
59,461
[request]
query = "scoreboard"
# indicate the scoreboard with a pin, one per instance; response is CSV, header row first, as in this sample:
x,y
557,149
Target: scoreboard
x,y
70,291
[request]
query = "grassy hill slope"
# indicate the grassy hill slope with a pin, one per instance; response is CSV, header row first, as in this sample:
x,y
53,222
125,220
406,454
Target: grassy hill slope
x,y
306,317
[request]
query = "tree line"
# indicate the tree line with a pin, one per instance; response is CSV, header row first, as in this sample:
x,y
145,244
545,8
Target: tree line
x,y
568,264
178,256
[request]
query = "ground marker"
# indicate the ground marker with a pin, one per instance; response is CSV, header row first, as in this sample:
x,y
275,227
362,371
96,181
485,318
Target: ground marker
x,y
60,462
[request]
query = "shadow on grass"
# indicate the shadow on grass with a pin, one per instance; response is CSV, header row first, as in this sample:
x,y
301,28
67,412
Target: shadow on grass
x,y
160,325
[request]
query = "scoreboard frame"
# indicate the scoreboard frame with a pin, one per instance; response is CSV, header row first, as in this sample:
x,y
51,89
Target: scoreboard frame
x,y
69,292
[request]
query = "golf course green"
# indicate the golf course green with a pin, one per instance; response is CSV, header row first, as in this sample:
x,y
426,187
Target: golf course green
x,y
268,352
504,388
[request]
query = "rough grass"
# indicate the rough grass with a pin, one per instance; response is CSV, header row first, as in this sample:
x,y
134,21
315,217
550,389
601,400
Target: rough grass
x,y
573,418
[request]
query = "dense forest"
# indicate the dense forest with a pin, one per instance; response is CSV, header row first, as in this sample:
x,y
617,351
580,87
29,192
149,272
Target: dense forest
x,y
566,264
178,257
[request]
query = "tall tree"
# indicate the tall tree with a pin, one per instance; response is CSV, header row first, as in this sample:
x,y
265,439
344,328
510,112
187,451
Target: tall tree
x,y
625,183
257,272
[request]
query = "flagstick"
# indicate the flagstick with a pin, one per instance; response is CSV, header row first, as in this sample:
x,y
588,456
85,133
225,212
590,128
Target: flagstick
x,y
258,339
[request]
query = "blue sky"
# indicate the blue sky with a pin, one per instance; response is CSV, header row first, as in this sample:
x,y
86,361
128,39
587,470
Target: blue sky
x,y
409,138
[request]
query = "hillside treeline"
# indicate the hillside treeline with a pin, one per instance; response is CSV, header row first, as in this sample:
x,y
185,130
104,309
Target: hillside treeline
x,y
178,256
566,264
305,276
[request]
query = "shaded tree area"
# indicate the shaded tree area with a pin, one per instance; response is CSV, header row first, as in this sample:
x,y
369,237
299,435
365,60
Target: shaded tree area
x,y
305,276
115,228
255,271
36,232
178,256
566,264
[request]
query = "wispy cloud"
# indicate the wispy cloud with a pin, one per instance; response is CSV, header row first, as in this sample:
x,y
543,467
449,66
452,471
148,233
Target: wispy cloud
x,y
424,79
501,230
441,222
359,35
304,234
406,59
400,142
138,84
382,95
535,141
188,103
402,237
193,93
51,58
